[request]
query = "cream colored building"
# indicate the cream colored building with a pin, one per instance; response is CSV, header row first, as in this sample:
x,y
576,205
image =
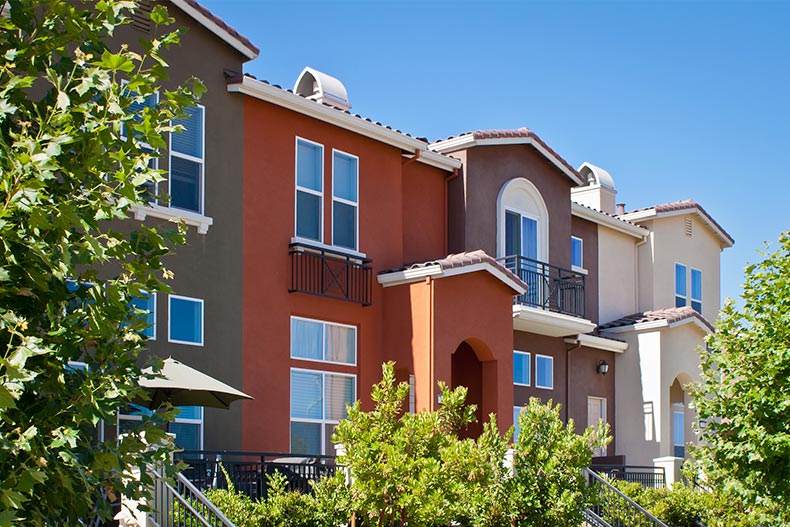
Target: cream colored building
x,y
659,291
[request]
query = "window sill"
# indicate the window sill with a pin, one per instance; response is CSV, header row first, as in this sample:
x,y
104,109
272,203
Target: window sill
x,y
580,270
333,248
166,213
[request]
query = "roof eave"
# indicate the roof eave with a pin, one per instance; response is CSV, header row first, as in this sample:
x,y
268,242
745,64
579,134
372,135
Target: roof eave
x,y
622,226
211,25
410,276
465,141
266,92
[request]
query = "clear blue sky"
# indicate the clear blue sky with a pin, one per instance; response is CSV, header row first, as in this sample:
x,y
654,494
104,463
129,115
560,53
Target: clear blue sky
x,y
676,99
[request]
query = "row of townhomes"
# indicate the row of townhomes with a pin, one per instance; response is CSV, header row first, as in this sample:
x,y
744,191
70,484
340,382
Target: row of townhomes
x,y
322,243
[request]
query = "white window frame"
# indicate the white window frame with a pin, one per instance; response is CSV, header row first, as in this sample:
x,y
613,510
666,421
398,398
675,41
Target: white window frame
x,y
324,324
511,195
298,188
551,360
601,452
537,219
202,320
345,202
529,362
187,157
580,267
691,288
516,413
200,422
153,313
684,296
145,145
323,421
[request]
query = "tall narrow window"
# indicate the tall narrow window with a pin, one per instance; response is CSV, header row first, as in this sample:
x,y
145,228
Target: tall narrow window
x,y
679,430
318,403
147,306
137,108
521,368
577,258
345,203
516,428
544,372
680,285
309,190
521,248
187,161
696,290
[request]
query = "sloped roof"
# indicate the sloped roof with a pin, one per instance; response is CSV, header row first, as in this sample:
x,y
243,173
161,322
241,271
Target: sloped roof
x,y
450,265
275,94
678,207
517,136
218,26
670,315
604,218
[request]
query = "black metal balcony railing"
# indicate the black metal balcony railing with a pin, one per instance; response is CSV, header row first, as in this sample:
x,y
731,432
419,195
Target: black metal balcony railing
x,y
248,471
550,287
323,272
647,476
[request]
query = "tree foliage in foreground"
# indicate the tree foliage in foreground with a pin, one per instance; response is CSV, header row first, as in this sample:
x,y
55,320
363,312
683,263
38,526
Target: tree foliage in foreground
x,y
70,162
412,469
743,397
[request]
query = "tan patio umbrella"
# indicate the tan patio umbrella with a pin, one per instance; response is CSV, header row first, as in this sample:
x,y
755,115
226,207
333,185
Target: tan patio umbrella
x,y
185,386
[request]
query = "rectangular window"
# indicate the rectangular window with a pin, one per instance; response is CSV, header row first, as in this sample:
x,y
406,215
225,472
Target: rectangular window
x,y
309,190
137,107
544,372
147,305
516,428
318,402
680,285
186,320
187,161
187,426
679,430
323,341
345,201
696,290
577,258
521,370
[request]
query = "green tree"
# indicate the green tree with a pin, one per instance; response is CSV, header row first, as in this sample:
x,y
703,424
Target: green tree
x,y
743,397
70,162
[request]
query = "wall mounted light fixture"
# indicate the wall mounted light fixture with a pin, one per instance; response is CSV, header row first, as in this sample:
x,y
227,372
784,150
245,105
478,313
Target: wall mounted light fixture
x,y
603,367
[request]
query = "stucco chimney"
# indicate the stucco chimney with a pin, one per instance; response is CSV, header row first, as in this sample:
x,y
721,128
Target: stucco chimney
x,y
322,88
599,192
620,209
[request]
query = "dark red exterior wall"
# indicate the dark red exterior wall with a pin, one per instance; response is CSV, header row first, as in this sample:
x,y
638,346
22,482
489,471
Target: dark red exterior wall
x,y
585,381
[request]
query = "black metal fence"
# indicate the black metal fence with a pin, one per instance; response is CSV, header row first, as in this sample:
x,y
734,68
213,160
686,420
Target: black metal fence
x,y
249,471
550,287
323,272
647,476
610,507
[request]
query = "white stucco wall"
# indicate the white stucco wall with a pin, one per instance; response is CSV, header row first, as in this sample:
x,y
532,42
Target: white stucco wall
x,y
616,274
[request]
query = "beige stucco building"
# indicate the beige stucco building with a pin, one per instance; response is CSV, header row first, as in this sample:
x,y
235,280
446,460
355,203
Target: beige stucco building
x,y
659,291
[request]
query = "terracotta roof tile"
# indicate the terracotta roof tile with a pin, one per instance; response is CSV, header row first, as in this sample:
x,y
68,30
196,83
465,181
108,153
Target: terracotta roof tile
x,y
224,25
523,132
686,204
671,315
237,79
613,216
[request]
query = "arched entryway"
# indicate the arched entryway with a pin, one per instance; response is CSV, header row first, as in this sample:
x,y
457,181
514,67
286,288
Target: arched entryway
x,y
469,362
680,416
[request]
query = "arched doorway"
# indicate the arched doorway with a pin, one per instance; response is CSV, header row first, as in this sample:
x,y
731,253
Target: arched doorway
x,y
467,370
680,416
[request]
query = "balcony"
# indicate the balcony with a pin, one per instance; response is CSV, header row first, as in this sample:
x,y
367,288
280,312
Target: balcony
x,y
554,304
324,272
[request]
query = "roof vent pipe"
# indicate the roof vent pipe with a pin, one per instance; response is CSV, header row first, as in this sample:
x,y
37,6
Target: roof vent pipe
x,y
620,209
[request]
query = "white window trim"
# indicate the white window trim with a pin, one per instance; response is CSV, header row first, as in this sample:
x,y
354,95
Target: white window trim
x,y
143,144
516,413
201,422
187,157
529,362
202,320
578,268
551,360
538,240
166,213
153,312
685,296
324,323
323,421
309,191
542,216
346,202
691,287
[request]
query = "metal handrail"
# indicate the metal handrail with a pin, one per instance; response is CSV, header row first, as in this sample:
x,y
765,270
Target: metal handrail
x,y
330,273
550,287
626,511
646,475
171,506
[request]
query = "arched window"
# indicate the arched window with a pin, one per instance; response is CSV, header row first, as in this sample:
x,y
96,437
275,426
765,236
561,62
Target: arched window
x,y
522,221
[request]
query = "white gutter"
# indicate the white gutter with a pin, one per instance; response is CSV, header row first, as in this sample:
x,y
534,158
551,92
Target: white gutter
x,y
266,92
591,341
589,214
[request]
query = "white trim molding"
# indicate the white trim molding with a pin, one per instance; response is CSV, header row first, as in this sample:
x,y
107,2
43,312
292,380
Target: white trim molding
x,y
418,274
192,219
600,343
548,323
622,226
268,93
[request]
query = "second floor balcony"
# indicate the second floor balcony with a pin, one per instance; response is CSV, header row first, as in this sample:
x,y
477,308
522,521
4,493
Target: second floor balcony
x,y
324,272
551,287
